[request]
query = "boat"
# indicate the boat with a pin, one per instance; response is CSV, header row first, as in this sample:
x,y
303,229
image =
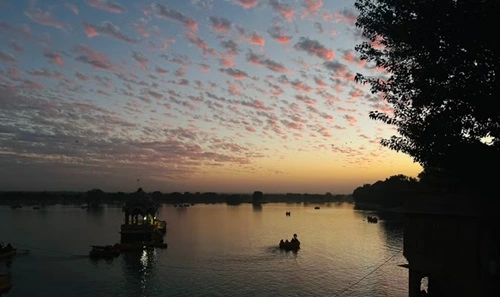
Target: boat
x,y
107,251
160,245
125,247
316,207
7,254
292,245
7,251
289,245
5,283
160,225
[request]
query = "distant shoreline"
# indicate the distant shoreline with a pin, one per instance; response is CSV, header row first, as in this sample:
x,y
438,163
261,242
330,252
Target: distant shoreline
x,y
93,198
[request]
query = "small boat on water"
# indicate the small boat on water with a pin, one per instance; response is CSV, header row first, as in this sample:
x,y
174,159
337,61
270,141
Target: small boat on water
x,y
107,251
5,283
160,225
292,245
160,245
7,251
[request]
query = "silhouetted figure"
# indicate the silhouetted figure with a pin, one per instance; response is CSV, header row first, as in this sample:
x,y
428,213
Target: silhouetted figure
x,y
292,245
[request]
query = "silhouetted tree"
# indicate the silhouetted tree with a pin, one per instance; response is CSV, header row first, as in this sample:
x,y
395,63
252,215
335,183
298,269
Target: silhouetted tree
x,y
443,79
257,197
233,199
94,197
390,193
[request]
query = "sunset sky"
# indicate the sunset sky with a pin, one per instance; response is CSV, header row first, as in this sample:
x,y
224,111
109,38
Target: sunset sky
x,y
194,95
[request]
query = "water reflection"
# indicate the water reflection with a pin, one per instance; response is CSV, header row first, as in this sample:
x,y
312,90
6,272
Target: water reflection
x,y
139,269
257,207
225,250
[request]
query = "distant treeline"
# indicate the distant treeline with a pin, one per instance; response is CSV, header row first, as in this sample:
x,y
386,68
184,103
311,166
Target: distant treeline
x,y
388,193
398,190
96,196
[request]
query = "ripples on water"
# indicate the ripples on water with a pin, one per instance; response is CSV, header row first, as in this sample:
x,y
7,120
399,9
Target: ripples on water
x,y
214,250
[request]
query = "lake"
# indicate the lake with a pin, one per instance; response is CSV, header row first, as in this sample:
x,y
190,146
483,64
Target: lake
x,y
213,250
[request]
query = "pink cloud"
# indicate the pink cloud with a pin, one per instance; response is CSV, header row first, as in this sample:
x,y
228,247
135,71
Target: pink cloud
x,y
162,11
257,39
101,92
226,62
107,28
161,71
307,100
200,43
72,7
313,47
350,119
106,5
277,33
355,94
205,68
43,18
221,25
90,30
266,62
236,73
24,30
319,82
233,89
7,57
81,76
377,43
285,10
346,16
28,84
247,3
350,57
312,6
141,60
45,73
324,132
94,58
54,57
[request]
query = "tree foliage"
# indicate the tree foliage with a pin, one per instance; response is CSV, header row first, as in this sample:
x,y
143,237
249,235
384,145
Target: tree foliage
x,y
389,193
442,61
257,197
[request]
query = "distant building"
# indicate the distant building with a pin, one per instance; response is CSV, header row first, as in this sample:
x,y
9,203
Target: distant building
x,y
141,224
454,242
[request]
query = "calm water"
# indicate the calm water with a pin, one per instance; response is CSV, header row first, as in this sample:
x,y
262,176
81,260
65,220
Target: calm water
x,y
213,250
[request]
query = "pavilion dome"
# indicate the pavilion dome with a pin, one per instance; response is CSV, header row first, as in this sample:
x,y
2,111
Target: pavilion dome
x,y
141,203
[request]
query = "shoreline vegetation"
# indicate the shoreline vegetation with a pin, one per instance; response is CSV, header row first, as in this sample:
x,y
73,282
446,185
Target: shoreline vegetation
x,y
390,195
96,197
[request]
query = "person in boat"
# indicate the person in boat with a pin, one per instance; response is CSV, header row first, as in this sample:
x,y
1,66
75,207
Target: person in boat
x,y
294,239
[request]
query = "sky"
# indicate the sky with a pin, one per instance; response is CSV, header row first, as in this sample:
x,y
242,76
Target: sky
x,y
191,96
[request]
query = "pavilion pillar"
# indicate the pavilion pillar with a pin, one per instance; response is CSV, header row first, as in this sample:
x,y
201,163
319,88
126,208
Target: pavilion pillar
x,y
414,283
